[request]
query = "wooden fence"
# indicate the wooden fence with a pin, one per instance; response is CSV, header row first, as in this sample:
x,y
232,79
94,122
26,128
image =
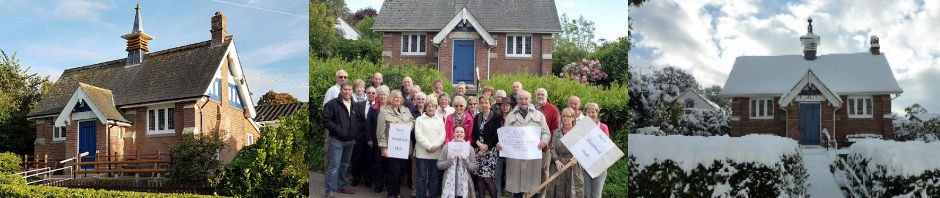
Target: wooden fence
x,y
118,164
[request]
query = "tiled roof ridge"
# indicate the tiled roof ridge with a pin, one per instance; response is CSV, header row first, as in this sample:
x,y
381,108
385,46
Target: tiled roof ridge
x,y
161,52
86,85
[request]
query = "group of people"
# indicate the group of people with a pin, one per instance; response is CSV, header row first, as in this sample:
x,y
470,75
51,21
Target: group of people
x,y
358,118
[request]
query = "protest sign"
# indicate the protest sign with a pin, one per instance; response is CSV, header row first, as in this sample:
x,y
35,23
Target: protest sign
x,y
520,142
592,148
399,140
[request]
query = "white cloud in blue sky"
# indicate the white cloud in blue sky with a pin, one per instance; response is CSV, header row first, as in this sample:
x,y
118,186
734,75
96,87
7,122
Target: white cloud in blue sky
x,y
609,16
704,37
51,36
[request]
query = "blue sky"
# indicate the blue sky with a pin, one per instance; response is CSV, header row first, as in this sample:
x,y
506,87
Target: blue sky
x,y
54,35
704,37
609,16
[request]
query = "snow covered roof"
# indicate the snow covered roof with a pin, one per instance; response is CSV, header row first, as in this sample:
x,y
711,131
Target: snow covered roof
x,y
700,97
857,73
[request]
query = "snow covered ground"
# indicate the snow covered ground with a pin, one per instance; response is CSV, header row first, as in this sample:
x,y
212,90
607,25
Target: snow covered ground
x,y
821,182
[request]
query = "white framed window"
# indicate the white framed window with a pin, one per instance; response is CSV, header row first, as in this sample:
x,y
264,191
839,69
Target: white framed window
x,y
519,45
860,107
689,103
251,139
414,44
58,133
762,108
161,121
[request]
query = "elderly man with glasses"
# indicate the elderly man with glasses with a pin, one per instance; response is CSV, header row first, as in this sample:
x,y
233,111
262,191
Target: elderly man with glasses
x,y
333,92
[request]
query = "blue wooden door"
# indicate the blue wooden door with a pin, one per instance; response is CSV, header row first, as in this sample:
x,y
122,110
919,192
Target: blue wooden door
x,y
809,123
463,61
86,141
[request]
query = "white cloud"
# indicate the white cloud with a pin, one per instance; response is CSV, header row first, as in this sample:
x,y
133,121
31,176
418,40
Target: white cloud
x,y
260,81
706,41
276,52
79,9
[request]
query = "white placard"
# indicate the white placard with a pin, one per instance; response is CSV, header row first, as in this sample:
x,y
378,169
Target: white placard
x,y
520,142
399,140
458,148
592,148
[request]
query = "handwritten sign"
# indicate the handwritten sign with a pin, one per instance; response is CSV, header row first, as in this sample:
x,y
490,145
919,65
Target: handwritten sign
x,y
399,140
520,142
458,148
592,148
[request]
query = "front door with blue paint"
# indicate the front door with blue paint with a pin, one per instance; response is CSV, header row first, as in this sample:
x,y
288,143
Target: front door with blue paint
x,y
809,123
86,141
463,61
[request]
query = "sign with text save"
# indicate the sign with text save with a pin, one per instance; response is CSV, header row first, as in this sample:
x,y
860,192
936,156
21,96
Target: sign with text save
x,y
592,148
399,140
520,142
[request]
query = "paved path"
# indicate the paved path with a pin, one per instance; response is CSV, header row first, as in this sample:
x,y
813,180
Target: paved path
x,y
317,187
822,182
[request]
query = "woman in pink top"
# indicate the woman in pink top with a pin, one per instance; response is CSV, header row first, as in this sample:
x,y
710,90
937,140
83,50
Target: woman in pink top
x,y
594,186
593,111
461,117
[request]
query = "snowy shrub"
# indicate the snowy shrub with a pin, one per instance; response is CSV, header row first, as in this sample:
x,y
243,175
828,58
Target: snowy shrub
x,y
882,168
704,123
716,166
907,129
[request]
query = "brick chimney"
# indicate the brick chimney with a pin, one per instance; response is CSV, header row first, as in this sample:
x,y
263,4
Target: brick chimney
x,y
810,41
218,29
875,48
137,42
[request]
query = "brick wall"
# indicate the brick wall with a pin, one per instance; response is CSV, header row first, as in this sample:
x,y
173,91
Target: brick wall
x,y
55,149
391,42
740,109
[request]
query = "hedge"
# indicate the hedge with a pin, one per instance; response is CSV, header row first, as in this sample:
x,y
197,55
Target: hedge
x,y
12,179
612,100
16,191
322,73
10,163
715,167
888,169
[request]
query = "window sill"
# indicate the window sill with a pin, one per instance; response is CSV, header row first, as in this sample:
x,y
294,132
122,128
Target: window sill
x,y
413,55
161,134
508,57
57,141
860,117
762,118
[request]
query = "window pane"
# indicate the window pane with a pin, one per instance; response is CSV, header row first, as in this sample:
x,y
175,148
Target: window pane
x,y
851,106
160,119
770,108
761,109
404,43
423,44
519,45
528,45
868,106
151,120
169,119
858,105
414,43
753,108
509,47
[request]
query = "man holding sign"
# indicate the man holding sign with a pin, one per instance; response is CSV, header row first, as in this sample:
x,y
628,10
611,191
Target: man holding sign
x,y
524,128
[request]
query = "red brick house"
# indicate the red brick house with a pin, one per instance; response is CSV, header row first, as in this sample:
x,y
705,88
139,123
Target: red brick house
x,y
801,96
470,40
146,102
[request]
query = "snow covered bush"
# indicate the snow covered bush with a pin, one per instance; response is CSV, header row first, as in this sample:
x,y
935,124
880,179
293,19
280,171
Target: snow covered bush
x,y
715,166
882,168
915,129
704,123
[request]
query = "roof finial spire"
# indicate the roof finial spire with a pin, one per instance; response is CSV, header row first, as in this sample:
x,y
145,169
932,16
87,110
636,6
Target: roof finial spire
x,y
810,27
137,41
138,26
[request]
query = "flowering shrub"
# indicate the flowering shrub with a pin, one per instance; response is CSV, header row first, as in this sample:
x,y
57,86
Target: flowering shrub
x,y
586,71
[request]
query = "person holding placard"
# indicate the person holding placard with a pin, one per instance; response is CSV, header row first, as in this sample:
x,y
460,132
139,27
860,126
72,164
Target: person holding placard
x,y
571,183
397,114
484,141
458,166
429,138
595,186
343,118
523,176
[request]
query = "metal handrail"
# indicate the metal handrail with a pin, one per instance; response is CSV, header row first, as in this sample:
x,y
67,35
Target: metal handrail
x,y
29,171
48,178
70,159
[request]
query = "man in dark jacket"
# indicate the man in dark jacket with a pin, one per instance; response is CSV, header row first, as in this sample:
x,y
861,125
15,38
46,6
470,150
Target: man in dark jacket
x,y
344,120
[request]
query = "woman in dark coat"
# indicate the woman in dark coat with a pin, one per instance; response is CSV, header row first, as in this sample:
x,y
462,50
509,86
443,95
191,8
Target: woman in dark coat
x,y
484,139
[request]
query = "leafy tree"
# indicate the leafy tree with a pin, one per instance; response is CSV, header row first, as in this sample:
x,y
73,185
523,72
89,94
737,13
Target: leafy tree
x,y
362,14
637,3
323,34
364,27
19,93
274,98
675,81
914,109
614,58
336,8
578,32
194,158
563,54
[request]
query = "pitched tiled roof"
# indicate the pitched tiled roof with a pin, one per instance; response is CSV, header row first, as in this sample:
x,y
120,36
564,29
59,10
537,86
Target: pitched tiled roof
x,y
103,99
273,112
495,16
176,73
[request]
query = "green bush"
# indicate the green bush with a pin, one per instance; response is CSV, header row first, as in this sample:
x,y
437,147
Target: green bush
x,y
366,49
194,158
10,163
613,103
17,191
274,166
322,72
12,179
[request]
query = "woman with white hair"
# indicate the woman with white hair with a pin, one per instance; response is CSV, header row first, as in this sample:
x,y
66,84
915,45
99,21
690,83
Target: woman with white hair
x,y
593,187
394,113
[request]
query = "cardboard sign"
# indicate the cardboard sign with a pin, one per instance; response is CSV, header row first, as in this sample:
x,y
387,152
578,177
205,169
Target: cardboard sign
x,y
592,148
399,140
520,142
458,148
